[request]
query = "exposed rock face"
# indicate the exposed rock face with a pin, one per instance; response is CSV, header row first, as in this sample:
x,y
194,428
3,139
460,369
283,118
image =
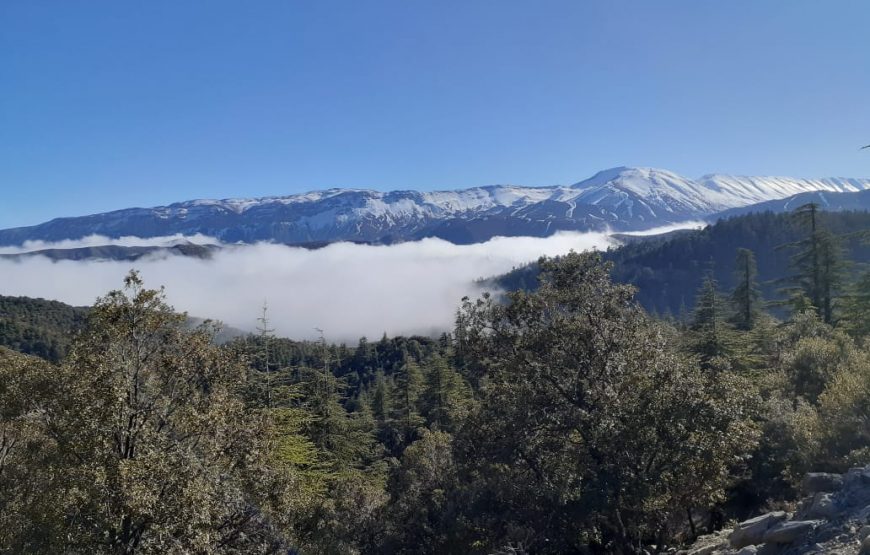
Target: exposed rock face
x,y
821,506
833,519
816,482
788,532
752,531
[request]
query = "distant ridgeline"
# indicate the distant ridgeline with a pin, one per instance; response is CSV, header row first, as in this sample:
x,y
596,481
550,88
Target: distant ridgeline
x,y
47,328
669,270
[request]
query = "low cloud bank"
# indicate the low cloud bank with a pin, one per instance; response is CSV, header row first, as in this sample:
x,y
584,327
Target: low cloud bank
x,y
348,290
695,224
100,240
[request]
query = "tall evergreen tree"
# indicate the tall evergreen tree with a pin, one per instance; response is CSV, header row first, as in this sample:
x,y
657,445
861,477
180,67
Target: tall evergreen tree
x,y
266,338
445,397
380,399
406,400
856,308
818,264
711,336
746,297
342,440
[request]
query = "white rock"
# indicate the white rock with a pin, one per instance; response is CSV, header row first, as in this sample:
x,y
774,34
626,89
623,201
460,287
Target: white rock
x,y
788,532
751,532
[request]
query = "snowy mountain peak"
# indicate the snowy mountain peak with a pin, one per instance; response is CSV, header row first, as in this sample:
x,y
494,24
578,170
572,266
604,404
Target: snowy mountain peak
x,y
628,174
622,199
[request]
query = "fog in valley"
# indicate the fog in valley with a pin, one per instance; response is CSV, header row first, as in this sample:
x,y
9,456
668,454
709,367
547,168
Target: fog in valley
x,y
346,289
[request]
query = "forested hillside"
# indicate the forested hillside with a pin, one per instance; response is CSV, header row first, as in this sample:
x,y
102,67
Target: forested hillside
x,y
566,419
668,271
39,327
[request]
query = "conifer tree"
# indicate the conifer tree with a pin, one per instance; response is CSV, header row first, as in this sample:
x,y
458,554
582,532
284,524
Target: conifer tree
x,y
342,440
380,399
856,308
712,337
406,398
445,397
746,297
266,338
817,263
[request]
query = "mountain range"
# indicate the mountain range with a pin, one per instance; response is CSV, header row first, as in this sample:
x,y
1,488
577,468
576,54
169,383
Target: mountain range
x,y
619,199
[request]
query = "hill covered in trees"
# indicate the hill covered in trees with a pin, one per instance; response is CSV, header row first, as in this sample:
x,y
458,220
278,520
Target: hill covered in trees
x,y
669,270
39,327
559,419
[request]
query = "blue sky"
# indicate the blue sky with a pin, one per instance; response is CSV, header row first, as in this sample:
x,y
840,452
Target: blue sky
x,y
107,104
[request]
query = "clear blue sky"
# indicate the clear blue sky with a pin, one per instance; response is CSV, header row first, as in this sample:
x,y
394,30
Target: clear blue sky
x,y
108,104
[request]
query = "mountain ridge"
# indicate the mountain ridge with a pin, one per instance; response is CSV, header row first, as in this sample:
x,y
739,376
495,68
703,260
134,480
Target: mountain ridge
x,y
617,199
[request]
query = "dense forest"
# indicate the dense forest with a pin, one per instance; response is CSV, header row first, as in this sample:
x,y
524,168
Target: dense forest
x,y
668,270
42,328
563,418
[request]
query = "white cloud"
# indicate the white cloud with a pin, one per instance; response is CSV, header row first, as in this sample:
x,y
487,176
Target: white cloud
x,y
99,240
346,289
695,224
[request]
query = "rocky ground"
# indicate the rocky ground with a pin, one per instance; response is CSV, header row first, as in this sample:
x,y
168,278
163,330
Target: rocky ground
x,y
833,518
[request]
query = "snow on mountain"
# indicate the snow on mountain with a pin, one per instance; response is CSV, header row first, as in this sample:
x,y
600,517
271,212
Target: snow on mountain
x,y
621,199
743,191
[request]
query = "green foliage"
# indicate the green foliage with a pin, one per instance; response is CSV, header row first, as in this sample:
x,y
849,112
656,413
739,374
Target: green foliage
x,y
39,327
817,265
592,429
563,418
423,516
446,398
844,415
146,446
746,297
711,337
856,310
668,270
343,439
407,388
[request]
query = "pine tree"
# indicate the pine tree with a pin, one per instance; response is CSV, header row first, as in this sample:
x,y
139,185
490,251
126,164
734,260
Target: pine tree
x,y
446,396
818,265
406,397
342,440
746,297
856,309
380,399
266,338
712,337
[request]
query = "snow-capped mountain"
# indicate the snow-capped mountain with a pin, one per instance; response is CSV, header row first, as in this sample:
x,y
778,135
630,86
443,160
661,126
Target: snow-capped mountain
x,y
620,199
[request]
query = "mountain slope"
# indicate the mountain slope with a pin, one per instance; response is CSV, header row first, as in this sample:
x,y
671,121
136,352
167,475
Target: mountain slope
x,y
830,201
117,252
621,199
39,327
668,269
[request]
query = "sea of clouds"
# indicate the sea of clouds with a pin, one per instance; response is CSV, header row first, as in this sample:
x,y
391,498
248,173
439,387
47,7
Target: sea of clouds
x,y
346,289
